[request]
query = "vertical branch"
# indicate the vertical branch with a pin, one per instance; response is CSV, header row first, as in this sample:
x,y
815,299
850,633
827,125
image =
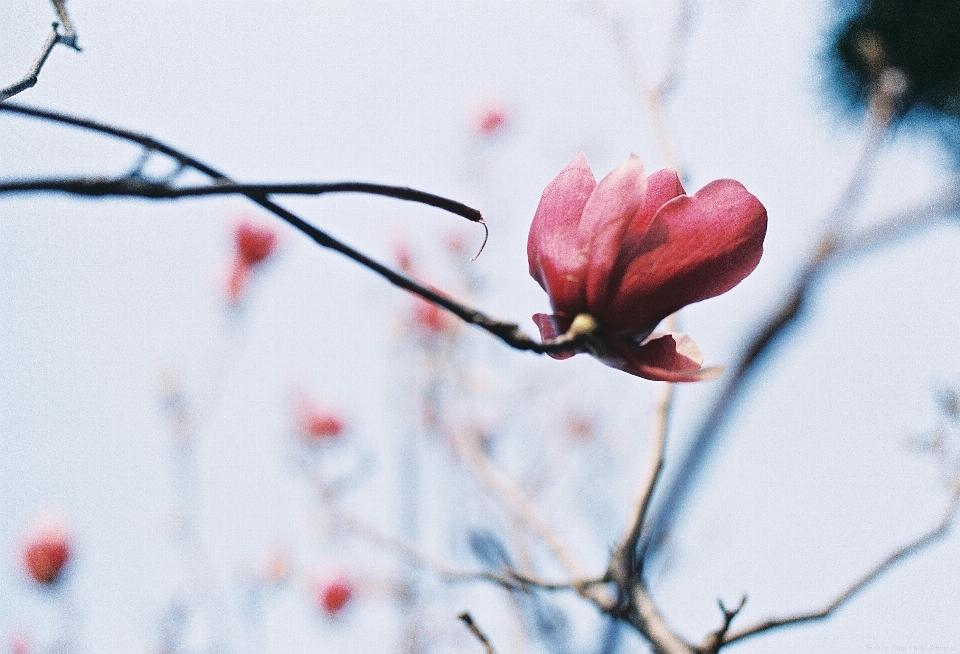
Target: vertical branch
x,y
887,93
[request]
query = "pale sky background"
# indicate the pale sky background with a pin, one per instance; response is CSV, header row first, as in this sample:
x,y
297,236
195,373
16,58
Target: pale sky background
x,y
815,480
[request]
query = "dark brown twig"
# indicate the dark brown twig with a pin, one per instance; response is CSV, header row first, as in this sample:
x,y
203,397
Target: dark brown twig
x,y
68,38
477,632
715,640
508,332
152,190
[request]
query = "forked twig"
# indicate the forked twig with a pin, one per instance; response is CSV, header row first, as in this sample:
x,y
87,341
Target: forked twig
x,y
715,640
68,38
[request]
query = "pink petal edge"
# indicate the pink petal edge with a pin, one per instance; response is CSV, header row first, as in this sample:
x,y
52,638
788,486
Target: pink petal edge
x,y
556,247
552,326
662,357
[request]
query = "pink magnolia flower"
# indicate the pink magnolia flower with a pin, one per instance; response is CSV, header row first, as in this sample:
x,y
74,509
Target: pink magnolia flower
x,y
622,255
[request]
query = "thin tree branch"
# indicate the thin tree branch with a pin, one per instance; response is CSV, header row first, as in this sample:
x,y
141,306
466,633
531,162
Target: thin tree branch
x,y
147,189
477,632
408,550
68,38
623,567
647,619
678,45
33,74
508,332
401,546
926,540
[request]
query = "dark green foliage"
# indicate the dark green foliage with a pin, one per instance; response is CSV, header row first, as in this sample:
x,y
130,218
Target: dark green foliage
x,y
921,38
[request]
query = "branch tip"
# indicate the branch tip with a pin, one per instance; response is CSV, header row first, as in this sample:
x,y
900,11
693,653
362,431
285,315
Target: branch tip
x,y
486,235
476,631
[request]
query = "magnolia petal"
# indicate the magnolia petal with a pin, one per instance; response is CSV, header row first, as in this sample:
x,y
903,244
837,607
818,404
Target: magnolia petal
x,y
662,357
556,247
606,217
662,186
684,345
695,248
552,327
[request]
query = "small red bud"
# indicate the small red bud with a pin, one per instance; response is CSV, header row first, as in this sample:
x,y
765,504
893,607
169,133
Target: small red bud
x,y
491,118
318,425
46,553
429,317
254,242
323,426
334,595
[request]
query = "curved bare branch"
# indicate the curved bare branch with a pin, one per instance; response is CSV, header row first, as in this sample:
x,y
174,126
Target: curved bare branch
x,y
927,539
508,332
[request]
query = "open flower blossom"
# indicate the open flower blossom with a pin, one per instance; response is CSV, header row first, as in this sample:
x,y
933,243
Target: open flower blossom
x,y
618,256
46,553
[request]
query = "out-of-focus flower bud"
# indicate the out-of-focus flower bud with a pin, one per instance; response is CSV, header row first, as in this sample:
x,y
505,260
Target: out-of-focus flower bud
x,y
491,118
319,425
254,243
46,553
334,595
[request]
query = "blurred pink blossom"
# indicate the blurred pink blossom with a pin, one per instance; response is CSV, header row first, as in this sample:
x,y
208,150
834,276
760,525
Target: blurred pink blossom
x,y
317,424
333,595
491,118
46,552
